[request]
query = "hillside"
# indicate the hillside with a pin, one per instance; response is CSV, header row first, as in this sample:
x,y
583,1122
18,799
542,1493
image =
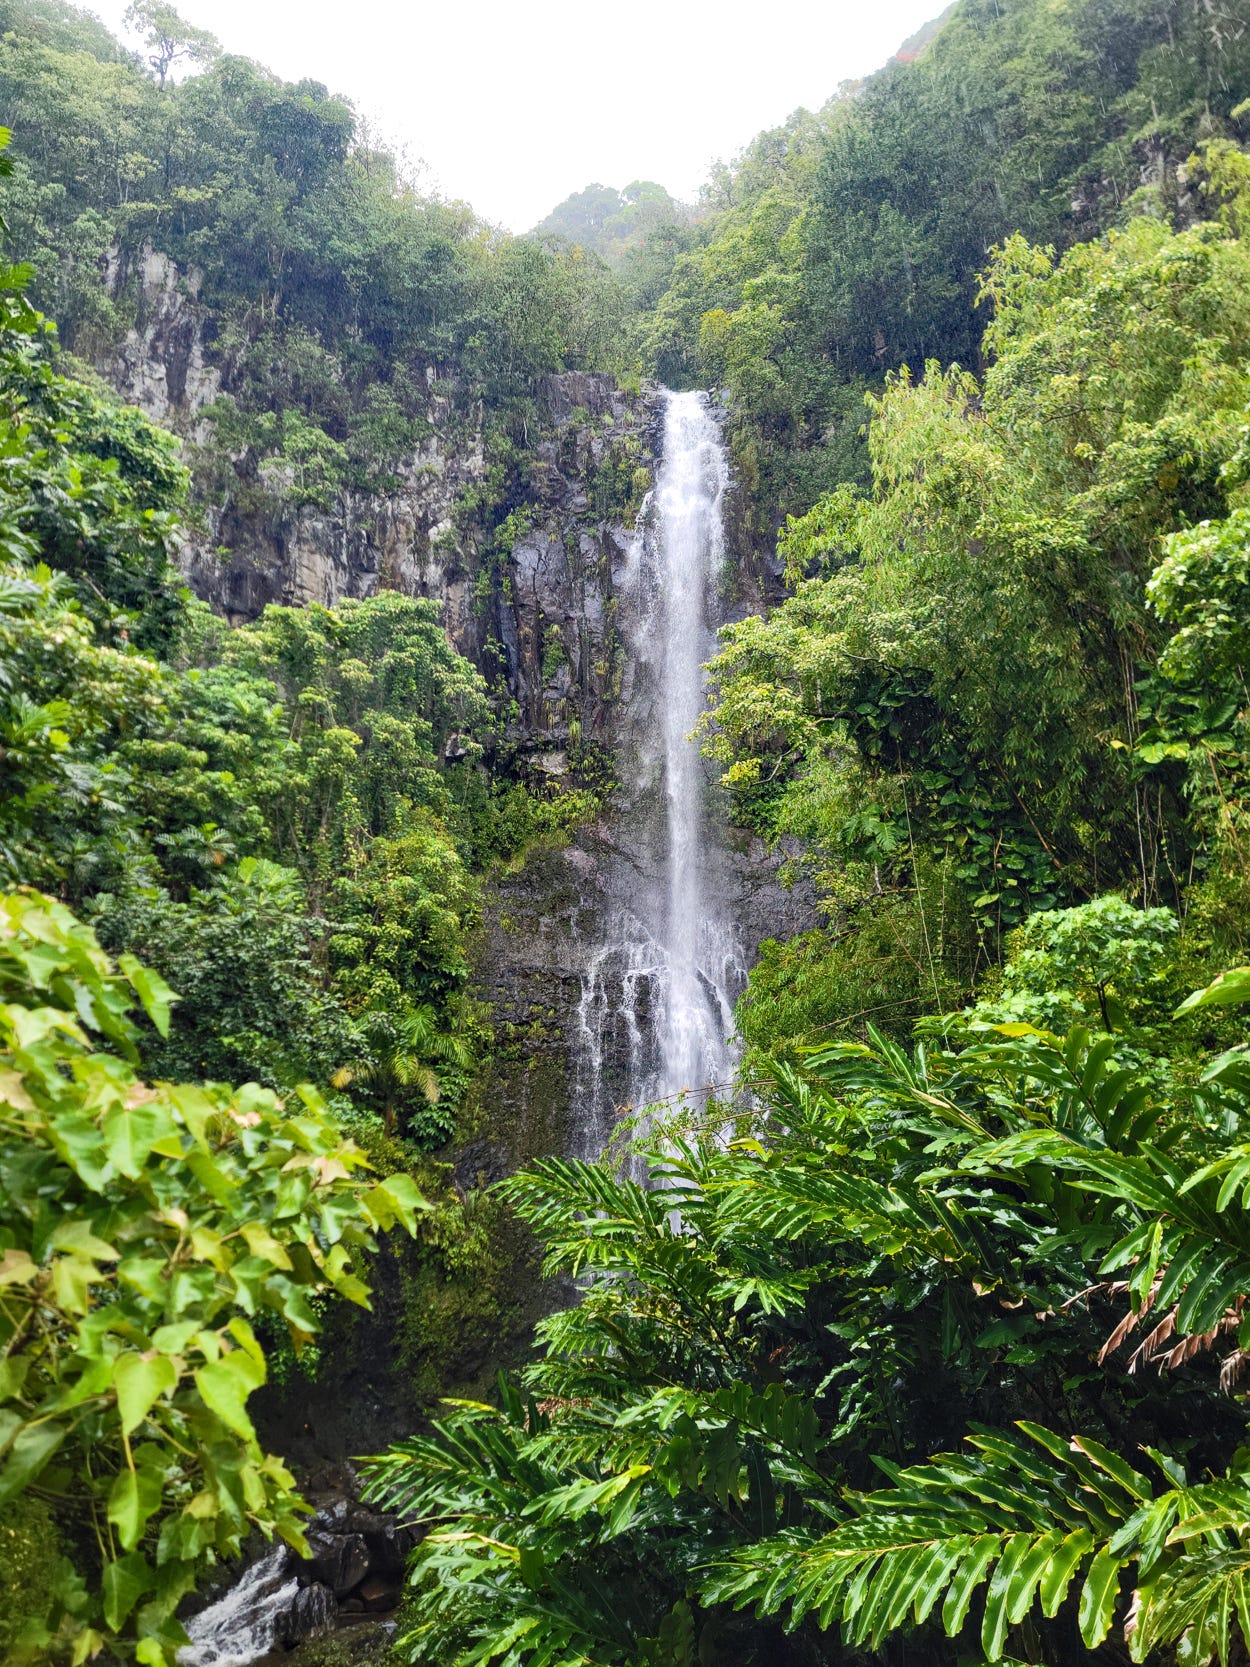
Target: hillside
x,y
669,963
853,244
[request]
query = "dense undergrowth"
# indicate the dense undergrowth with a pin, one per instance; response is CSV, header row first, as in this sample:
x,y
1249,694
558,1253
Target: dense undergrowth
x,y
980,1230
936,1351
278,834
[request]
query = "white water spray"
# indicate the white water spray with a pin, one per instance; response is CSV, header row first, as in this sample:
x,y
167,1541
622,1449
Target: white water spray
x,y
243,1623
656,1011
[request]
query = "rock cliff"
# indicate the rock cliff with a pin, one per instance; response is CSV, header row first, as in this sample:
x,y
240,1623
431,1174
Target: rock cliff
x,y
539,611
547,603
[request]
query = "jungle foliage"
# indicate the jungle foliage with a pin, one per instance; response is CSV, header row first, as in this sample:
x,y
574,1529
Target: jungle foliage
x,y
142,1227
307,793
847,244
977,702
934,1347
934,1342
937,1341
341,300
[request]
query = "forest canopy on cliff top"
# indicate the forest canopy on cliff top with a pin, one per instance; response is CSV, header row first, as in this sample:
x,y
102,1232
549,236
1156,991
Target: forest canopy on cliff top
x,y
982,1229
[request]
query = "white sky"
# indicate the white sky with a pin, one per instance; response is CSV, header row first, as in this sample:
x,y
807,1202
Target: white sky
x,y
513,104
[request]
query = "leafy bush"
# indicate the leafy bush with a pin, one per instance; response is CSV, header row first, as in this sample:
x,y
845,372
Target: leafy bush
x,y
141,1227
895,1249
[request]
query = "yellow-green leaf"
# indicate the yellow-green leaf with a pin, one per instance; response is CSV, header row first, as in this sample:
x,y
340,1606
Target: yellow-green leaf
x,y
225,1385
1098,1598
139,1381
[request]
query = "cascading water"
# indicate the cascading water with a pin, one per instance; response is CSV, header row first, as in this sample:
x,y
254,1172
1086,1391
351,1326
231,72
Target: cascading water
x,y
243,1624
656,1009
658,983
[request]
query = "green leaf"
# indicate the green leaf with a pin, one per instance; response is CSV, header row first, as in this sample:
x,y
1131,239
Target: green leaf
x,y
72,1279
130,1134
1026,1576
133,1498
125,1582
532,1567
994,1622
1230,987
261,1242
966,1579
33,1446
225,1386
16,1268
139,1381
13,1375
1098,1598
1056,1579
397,1198
151,989
75,1234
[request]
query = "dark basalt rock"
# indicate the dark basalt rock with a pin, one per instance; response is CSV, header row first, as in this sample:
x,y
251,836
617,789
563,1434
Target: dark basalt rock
x,y
339,1561
312,1614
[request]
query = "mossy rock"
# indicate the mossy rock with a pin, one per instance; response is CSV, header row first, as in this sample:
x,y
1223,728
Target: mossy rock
x,y
366,1645
30,1550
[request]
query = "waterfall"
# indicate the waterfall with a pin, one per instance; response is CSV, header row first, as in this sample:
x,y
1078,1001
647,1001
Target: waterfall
x,y
245,1622
656,1009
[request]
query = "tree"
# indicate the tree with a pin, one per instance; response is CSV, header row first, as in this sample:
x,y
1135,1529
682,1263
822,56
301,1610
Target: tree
x,y
169,37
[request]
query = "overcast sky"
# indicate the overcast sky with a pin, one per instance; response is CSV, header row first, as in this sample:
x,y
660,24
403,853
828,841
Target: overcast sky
x,y
513,104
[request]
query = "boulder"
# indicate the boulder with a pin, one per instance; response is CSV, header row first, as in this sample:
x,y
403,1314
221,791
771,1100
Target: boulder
x,y
339,1561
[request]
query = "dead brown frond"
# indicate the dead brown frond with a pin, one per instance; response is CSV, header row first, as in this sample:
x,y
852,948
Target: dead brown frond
x,y
1160,1347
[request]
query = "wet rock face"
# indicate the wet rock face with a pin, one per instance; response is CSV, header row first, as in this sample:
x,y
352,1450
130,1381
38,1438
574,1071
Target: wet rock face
x,y
590,450
164,364
543,925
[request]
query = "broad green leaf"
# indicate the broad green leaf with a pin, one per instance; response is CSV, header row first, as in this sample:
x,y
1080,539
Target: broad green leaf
x,y
13,1375
396,1198
139,1382
261,1242
125,1582
16,1268
131,1133
1229,988
152,990
72,1279
173,1339
133,1498
225,1386
1131,1480
196,1107
30,1451
75,1234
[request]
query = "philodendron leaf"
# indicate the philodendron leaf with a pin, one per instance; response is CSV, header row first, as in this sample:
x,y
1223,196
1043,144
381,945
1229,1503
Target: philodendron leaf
x,y
140,1380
